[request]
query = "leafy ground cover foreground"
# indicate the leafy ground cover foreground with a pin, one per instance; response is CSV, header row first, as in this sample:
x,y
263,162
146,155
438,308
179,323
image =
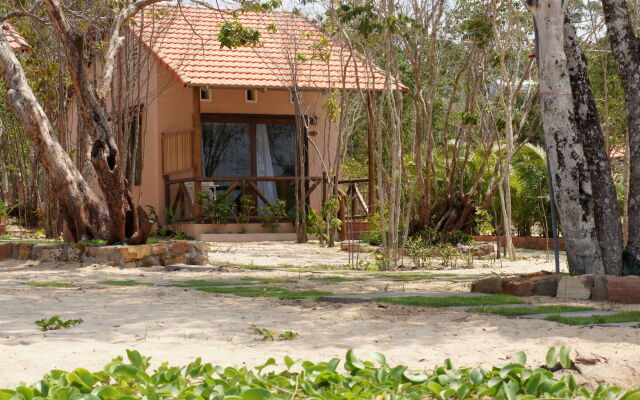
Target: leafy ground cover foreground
x,y
354,379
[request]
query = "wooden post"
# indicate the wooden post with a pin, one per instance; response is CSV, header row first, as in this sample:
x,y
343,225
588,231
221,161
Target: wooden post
x,y
197,154
371,156
342,215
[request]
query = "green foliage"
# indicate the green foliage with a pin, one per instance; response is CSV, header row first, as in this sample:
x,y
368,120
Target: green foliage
x,y
626,316
216,210
354,379
268,291
49,284
125,283
373,235
324,225
54,323
452,301
233,34
419,249
5,210
273,213
268,334
517,311
558,357
247,208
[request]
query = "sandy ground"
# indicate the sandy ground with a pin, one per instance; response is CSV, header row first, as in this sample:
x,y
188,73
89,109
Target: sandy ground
x,y
178,325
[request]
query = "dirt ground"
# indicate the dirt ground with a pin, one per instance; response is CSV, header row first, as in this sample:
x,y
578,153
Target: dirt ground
x,y
178,325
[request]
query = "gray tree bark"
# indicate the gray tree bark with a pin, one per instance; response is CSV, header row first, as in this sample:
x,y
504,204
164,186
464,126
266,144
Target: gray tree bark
x,y
626,50
570,176
606,213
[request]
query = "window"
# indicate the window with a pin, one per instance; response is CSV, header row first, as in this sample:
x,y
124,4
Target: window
x,y
250,146
205,94
251,96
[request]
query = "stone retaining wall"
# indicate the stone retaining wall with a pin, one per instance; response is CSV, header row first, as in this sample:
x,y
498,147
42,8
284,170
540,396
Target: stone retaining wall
x,y
618,289
145,255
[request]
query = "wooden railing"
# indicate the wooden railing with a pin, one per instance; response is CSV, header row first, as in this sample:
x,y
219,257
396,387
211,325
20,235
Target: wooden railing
x,y
357,207
185,203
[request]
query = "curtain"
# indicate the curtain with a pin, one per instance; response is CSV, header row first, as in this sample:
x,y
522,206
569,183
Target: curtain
x,y
264,165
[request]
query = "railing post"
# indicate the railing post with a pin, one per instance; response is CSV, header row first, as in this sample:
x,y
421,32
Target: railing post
x,y
342,215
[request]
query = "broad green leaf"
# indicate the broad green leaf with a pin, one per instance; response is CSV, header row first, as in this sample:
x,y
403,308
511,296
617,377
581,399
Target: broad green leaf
x,y
288,361
519,358
380,358
106,392
475,376
565,359
552,357
354,361
256,394
631,395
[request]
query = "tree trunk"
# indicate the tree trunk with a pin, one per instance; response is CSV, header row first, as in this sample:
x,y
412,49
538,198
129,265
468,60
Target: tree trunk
x,y
605,200
626,50
80,207
569,174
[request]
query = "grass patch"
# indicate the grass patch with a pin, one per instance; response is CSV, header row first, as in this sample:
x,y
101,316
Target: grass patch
x,y
517,311
268,291
336,279
268,280
414,277
452,301
203,283
626,316
125,283
49,284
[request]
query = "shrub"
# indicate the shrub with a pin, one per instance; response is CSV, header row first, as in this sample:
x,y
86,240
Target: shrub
x,y
419,249
216,210
132,379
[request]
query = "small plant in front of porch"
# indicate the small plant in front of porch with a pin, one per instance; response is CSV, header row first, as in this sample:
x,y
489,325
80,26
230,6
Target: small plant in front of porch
x,y
326,224
54,323
272,214
216,210
419,249
247,208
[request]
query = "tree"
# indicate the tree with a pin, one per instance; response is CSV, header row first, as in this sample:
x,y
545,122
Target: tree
x,y
574,145
122,220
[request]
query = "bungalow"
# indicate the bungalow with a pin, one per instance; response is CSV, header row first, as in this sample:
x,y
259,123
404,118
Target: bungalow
x,y
223,120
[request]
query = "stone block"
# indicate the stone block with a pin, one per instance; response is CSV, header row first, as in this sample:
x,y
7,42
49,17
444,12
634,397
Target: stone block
x,y
483,250
157,249
491,285
599,291
199,260
520,288
22,251
624,289
572,287
46,252
169,260
134,253
177,248
546,286
148,262
6,251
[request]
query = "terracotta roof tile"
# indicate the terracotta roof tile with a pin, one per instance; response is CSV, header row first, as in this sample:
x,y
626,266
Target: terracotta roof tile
x,y
16,41
186,39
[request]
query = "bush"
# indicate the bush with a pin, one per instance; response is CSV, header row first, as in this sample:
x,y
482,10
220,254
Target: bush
x,y
304,379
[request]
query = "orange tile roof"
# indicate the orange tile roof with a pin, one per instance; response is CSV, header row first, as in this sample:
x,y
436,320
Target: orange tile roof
x,y
186,39
16,41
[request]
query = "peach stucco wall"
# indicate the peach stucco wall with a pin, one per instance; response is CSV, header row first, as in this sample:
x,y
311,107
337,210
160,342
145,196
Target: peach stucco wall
x,y
172,111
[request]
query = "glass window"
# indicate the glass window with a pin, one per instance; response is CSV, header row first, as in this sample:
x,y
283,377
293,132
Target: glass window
x,y
226,150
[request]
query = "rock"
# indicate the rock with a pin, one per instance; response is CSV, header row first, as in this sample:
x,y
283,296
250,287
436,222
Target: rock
x,y
73,253
522,288
158,249
572,287
22,251
46,252
174,260
99,254
133,253
6,251
483,250
546,286
599,291
177,247
491,285
624,289
130,264
199,260
148,262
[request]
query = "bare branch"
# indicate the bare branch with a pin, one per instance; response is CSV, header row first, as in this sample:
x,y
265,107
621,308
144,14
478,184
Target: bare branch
x,y
115,41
